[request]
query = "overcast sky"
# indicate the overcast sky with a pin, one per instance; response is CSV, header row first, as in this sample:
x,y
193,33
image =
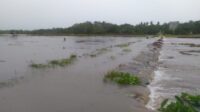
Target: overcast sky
x,y
34,14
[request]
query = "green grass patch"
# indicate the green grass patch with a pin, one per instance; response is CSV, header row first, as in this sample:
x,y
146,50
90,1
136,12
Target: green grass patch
x,y
183,103
122,78
53,63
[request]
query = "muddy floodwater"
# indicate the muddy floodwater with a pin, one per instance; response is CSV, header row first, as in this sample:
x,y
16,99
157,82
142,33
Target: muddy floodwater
x,y
79,86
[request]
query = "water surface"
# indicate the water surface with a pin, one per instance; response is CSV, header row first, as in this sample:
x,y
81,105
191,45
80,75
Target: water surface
x,y
177,72
78,87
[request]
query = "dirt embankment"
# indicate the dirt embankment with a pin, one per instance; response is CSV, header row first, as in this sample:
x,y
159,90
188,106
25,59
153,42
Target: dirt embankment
x,y
144,66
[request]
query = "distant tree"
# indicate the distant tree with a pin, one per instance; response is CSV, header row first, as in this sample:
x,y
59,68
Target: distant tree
x,y
191,27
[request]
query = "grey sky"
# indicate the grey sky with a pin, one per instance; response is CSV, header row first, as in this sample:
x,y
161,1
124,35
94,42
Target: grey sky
x,y
34,14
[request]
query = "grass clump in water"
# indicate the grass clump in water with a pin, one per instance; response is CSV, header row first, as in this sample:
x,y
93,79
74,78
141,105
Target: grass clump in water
x,y
190,44
33,65
126,50
123,45
112,57
53,63
62,62
122,78
99,52
183,103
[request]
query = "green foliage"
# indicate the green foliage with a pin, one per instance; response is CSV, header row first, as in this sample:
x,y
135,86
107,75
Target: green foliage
x,y
102,28
184,103
122,78
53,63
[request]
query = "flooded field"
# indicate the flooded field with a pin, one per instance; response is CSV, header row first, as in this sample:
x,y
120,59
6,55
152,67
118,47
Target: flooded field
x,y
79,86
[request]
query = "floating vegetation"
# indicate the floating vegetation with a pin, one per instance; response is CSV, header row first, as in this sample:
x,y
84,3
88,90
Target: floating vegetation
x,y
112,57
2,61
126,50
190,44
190,52
122,78
187,44
33,65
183,103
123,45
90,40
53,63
102,49
93,55
11,82
99,52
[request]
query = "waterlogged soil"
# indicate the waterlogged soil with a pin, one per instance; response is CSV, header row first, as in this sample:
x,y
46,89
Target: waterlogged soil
x,y
78,87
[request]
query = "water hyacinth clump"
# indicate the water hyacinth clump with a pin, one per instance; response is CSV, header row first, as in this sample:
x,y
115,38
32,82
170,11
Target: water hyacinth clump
x,y
183,103
122,78
53,63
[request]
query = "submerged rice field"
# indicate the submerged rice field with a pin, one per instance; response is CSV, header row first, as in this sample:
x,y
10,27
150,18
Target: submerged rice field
x,y
67,73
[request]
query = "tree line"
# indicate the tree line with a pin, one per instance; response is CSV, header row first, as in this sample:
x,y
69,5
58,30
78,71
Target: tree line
x,y
103,28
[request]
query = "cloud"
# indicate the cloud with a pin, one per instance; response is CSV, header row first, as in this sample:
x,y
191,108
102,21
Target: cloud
x,y
33,14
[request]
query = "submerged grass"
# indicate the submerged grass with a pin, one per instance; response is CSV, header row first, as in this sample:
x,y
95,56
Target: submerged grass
x,y
122,78
126,50
34,65
53,63
123,45
112,57
190,44
183,103
99,52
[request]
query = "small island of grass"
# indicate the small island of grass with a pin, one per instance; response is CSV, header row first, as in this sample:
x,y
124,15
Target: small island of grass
x,y
54,63
122,78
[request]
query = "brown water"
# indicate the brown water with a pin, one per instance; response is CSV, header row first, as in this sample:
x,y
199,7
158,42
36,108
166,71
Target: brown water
x,y
177,72
76,88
